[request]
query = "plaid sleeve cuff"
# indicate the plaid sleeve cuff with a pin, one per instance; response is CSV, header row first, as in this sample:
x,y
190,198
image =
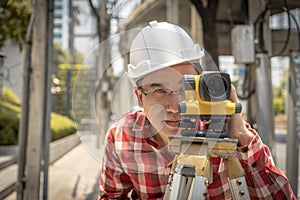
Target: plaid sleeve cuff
x,y
255,156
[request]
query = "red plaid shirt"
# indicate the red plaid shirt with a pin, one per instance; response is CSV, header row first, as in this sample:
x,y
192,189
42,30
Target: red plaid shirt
x,y
133,163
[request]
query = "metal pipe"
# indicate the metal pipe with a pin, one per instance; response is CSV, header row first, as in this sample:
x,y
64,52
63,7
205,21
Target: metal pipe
x,y
23,124
264,99
47,117
292,151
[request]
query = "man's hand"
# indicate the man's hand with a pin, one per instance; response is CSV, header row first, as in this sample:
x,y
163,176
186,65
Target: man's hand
x,y
236,125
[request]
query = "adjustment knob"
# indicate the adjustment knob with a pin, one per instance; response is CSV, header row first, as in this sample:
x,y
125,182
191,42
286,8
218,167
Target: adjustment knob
x,y
189,82
182,108
238,108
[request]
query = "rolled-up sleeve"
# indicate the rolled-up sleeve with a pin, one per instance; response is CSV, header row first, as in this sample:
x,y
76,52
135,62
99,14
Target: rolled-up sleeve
x,y
264,179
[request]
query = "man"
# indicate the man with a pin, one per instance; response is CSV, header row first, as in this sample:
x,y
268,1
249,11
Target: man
x,y
136,158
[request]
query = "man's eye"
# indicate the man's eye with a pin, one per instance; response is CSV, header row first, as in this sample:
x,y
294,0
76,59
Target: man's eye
x,y
159,91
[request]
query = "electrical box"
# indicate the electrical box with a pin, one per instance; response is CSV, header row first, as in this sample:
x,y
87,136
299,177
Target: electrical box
x,y
242,44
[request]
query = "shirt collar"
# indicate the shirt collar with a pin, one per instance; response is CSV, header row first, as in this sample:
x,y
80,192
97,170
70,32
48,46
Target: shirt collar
x,y
142,128
140,120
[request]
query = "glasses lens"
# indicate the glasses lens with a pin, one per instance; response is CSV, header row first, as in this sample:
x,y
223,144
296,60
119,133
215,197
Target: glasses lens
x,y
160,94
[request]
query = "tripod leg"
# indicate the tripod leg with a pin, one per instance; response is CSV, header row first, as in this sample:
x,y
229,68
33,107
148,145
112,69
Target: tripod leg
x,y
239,188
180,186
188,186
200,188
181,182
176,186
200,170
236,179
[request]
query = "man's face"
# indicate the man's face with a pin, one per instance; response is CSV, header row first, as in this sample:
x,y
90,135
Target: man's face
x,y
160,94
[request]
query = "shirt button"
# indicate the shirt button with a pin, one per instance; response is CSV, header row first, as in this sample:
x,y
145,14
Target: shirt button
x,y
245,149
254,164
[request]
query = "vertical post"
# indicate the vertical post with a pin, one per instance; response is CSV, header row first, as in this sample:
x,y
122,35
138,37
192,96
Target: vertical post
x,y
47,135
23,126
68,91
71,30
104,61
196,26
263,95
1,72
251,103
73,59
172,11
254,9
264,99
292,153
36,126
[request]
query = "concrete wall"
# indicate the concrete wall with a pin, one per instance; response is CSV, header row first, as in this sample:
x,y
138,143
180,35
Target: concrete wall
x,y
60,147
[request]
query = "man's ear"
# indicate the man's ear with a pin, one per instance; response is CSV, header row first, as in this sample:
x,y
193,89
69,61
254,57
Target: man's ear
x,y
139,95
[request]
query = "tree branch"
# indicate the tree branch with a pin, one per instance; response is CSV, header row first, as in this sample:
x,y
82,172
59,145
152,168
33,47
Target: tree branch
x,y
94,9
198,5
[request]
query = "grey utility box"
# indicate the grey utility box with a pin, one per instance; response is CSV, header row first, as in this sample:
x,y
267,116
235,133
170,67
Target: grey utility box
x,y
242,44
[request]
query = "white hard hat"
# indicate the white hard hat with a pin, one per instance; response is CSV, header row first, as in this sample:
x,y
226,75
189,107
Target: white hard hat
x,y
160,45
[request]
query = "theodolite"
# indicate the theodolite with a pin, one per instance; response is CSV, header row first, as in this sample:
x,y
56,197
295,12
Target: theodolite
x,y
207,100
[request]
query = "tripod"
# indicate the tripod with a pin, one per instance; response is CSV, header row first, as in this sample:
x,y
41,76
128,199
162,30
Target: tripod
x,y
191,170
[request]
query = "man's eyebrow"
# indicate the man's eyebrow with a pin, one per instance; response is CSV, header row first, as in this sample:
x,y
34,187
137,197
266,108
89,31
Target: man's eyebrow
x,y
156,85
153,85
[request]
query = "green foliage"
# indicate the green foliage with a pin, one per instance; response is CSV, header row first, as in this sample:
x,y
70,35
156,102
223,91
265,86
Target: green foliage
x,y
9,123
83,89
9,96
66,74
14,19
278,103
61,126
280,96
10,116
61,56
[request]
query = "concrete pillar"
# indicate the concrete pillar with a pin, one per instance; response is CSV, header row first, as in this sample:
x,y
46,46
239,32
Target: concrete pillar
x,y
37,102
265,117
264,100
172,11
292,138
196,26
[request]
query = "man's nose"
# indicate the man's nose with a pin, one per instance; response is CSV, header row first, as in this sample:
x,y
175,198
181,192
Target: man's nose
x,y
172,103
